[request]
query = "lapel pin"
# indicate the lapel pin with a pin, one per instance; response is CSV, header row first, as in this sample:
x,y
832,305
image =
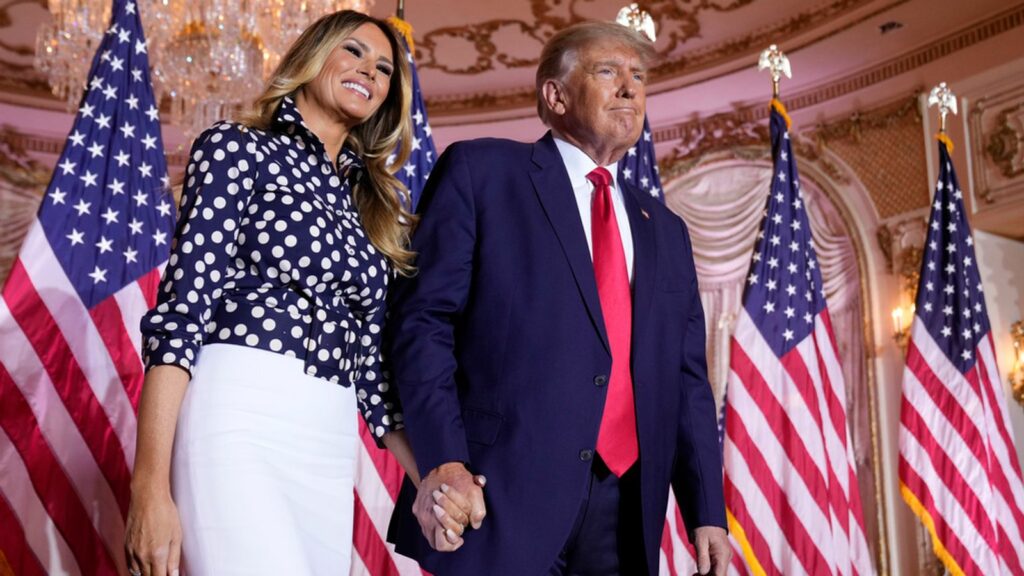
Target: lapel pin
x,y
645,214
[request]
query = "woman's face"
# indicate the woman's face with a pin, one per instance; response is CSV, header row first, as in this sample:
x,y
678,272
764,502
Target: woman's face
x,y
355,79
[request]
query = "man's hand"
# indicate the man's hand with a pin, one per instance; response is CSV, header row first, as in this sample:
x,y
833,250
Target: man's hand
x,y
713,550
448,499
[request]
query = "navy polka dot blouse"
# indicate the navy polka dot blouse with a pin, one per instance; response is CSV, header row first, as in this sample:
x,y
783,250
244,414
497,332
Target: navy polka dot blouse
x,y
270,253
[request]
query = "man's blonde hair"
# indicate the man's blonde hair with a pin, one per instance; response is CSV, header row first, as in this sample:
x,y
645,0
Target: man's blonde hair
x,y
561,52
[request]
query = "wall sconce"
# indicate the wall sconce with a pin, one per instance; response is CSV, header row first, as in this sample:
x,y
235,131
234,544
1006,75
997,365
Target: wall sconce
x,y
1017,372
901,323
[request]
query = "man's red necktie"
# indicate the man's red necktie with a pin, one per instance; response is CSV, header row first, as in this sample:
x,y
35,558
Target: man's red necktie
x,y
616,441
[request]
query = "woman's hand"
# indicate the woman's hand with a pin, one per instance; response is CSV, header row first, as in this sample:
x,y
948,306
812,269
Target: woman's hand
x,y
153,535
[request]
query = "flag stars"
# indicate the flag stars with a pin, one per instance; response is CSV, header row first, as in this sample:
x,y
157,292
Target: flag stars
x,y
96,83
410,169
808,318
77,138
67,166
164,208
122,159
160,238
769,307
948,289
771,285
792,268
789,312
128,130
103,121
140,46
98,275
795,225
86,111
966,355
82,207
116,63
76,237
136,226
116,187
790,290
132,102
797,204
775,240
752,279
110,215
140,198
947,310
89,179
927,306
136,75
96,150
123,36
947,331
130,256
146,170
57,196
105,245
110,92
787,334
782,176
951,227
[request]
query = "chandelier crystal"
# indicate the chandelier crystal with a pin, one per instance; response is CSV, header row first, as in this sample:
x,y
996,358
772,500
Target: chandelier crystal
x,y
208,57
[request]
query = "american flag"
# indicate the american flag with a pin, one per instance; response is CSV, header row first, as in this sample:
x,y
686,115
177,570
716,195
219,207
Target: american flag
x,y
958,466
378,474
70,370
639,166
790,483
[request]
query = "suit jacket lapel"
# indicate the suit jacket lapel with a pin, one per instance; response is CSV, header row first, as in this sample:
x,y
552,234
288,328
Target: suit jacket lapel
x,y
554,190
645,257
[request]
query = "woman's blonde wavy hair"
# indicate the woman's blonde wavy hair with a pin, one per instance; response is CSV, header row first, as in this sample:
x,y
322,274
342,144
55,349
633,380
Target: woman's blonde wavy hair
x,y
380,197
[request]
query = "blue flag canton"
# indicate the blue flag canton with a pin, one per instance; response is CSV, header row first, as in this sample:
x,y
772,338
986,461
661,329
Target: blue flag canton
x,y
639,166
416,170
107,212
784,291
950,299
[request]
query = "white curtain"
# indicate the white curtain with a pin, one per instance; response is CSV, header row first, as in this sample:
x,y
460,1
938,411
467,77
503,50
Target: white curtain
x,y
722,204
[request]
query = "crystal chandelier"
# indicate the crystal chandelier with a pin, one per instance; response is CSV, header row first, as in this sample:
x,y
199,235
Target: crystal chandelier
x,y
208,57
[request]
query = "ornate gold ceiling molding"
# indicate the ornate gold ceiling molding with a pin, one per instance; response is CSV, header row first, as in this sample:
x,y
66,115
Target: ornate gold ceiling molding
x,y
743,134
674,22
998,24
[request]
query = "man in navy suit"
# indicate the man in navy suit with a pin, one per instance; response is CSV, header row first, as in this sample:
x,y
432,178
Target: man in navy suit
x,y
552,341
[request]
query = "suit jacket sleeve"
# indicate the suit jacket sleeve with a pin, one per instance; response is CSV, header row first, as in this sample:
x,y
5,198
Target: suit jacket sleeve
x,y
697,478
425,309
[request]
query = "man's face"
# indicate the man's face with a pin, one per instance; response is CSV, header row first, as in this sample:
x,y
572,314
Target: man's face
x,y
605,97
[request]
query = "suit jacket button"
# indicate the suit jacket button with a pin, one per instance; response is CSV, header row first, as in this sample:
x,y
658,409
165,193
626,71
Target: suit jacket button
x,y
586,455
600,380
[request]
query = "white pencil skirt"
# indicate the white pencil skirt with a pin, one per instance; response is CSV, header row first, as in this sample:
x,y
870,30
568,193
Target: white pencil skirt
x,y
263,467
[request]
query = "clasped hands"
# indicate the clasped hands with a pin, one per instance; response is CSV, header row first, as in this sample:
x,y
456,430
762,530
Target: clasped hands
x,y
449,500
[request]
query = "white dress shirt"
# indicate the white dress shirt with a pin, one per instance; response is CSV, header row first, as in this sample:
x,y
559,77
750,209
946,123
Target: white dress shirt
x,y
578,165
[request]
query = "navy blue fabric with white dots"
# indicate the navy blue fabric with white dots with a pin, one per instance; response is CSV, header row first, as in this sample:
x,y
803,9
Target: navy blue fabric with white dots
x,y
270,253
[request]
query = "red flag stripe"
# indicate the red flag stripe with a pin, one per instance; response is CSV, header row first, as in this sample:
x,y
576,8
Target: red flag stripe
x,y
802,364
755,538
953,481
62,502
44,539
388,469
108,320
13,542
62,437
40,329
368,543
79,334
783,430
150,284
946,534
800,540
951,408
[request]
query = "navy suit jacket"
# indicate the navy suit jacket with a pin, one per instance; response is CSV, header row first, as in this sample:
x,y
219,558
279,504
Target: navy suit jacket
x,y
498,342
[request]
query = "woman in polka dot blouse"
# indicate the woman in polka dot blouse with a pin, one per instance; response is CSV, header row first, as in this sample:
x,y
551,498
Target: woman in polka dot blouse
x,y
266,335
